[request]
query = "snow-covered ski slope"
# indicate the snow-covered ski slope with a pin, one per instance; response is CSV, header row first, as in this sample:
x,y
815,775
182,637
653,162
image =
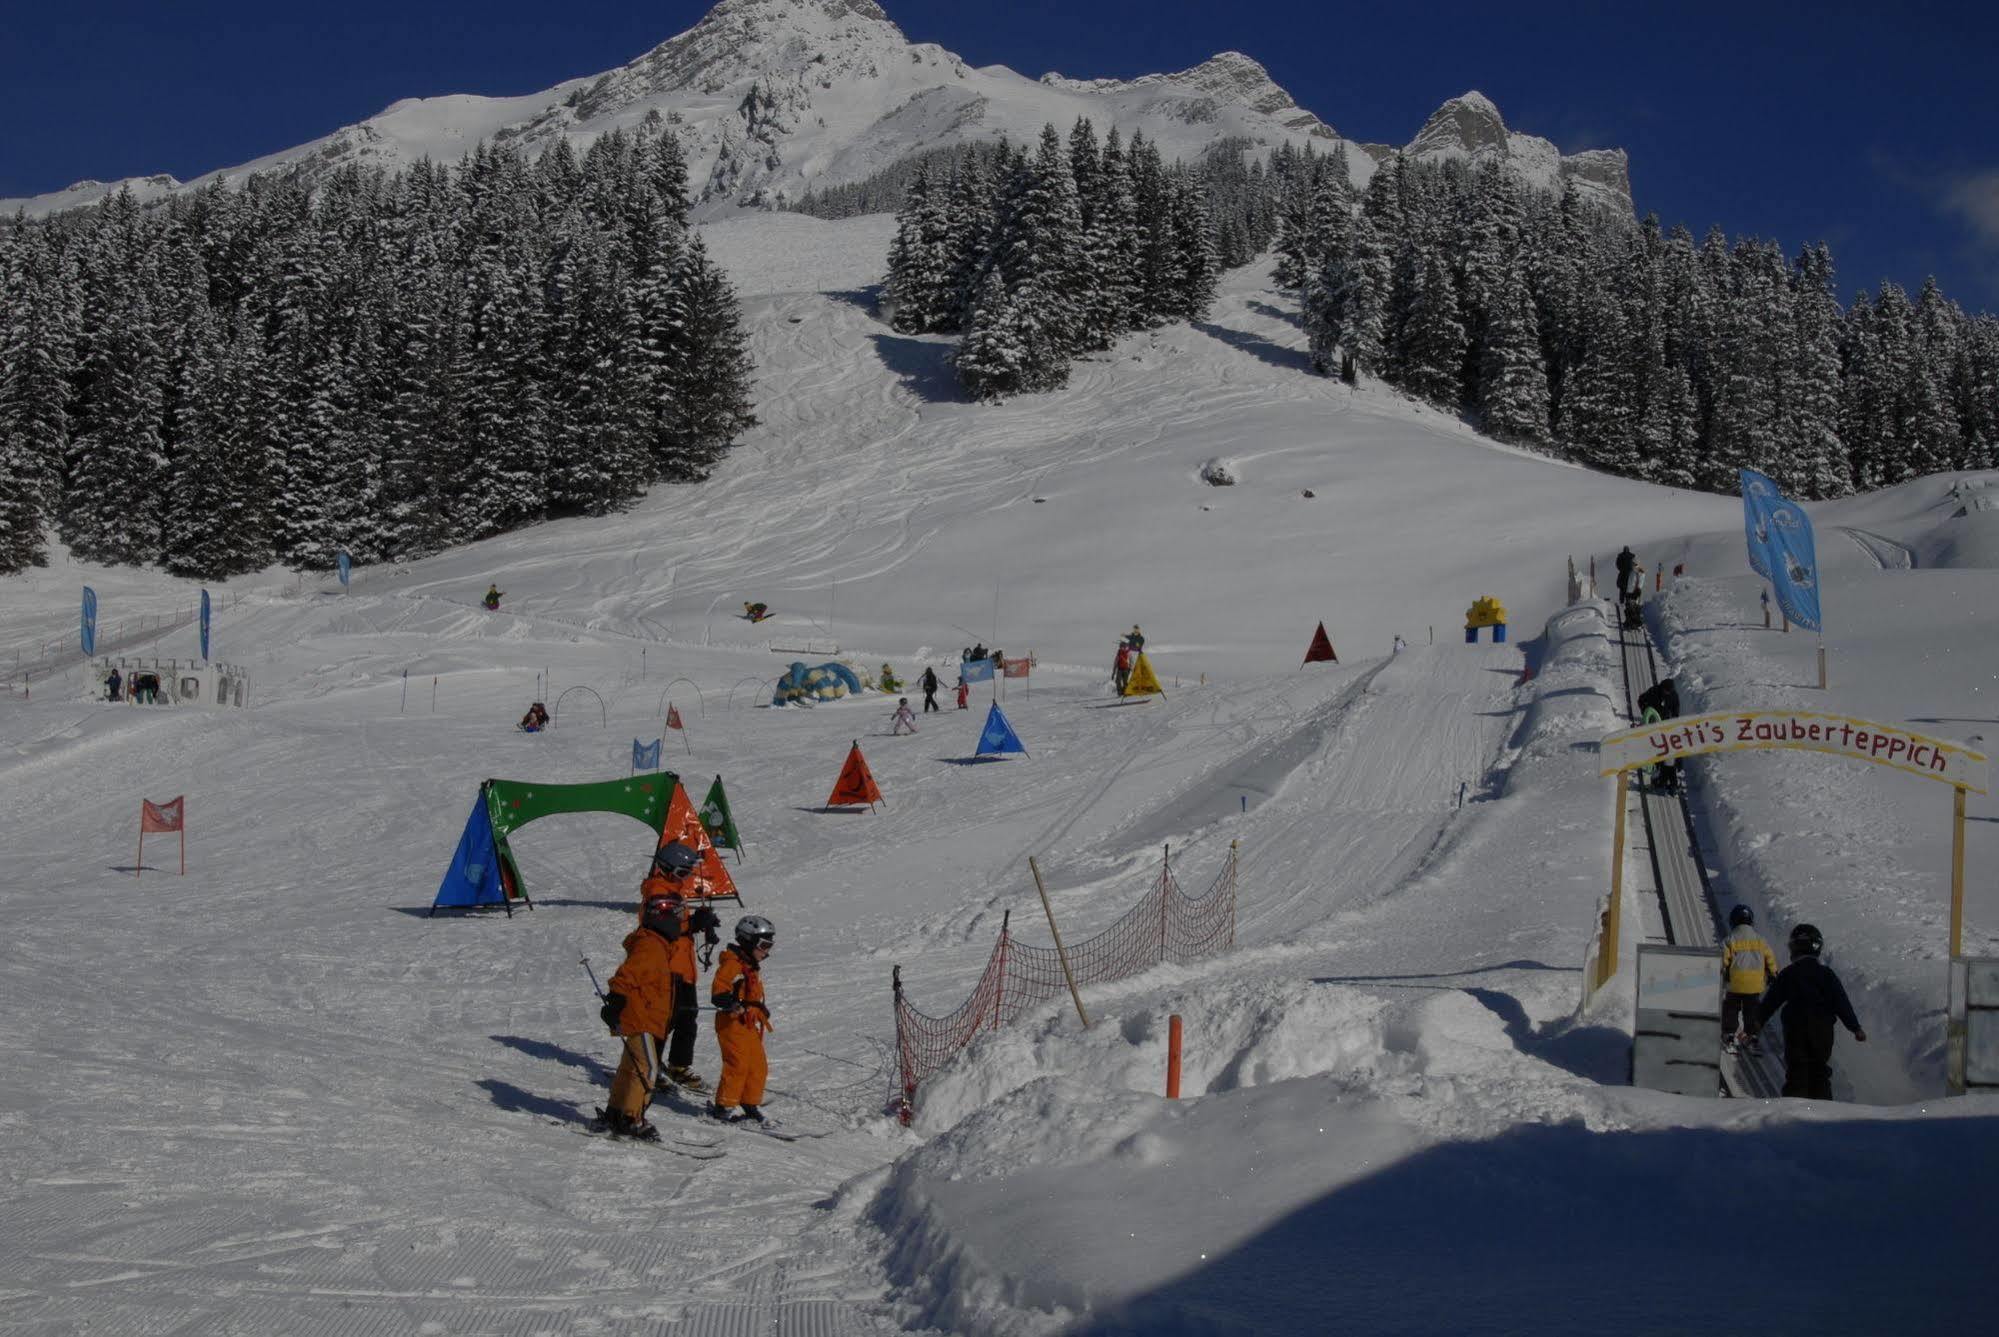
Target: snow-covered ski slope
x,y
272,1096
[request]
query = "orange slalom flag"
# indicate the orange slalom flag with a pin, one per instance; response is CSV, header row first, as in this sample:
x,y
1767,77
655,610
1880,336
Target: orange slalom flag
x,y
711,876
162,818
856,784
1321,648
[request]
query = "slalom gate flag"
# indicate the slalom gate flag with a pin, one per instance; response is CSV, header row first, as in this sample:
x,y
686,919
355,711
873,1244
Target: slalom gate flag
x,y
998,735
645,756
711,878
1794,566
976,670
718,821
1321,648
204,624
856,784
1018,668
1758,492
89,620
159,818
673,716
346,565
1143,681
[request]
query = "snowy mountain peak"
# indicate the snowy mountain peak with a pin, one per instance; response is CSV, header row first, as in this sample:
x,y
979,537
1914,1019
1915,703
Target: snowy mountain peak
x,y
1470,126
1469,123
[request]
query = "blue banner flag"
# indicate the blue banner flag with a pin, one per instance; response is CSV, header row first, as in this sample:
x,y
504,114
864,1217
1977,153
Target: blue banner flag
x,y
998,735
976,670
345,563
1758,495
89,620
1794,564
645,756
204,624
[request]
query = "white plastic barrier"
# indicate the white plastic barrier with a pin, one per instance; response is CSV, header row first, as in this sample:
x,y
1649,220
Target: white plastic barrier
x,y
1676,1042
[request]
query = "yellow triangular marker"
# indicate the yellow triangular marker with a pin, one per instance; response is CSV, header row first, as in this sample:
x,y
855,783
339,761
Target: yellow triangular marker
x,y
1143,681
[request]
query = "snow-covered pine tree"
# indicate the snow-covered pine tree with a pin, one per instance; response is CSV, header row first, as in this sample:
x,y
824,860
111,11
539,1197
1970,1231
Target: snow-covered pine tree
x,y
706,403
1815,457
38,320
111,492
993,358
1433,335
1935,435
1512,386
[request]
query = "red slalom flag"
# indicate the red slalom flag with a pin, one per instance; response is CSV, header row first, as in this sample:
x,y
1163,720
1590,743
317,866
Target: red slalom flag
x,y
1321,648
673,716
856,784
162,818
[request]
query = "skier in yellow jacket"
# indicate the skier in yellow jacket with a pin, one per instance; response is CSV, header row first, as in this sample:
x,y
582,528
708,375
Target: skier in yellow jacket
x,y
741,1018
1747,965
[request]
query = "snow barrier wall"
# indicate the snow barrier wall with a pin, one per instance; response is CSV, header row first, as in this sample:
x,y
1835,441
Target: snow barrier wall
x,y
1165,925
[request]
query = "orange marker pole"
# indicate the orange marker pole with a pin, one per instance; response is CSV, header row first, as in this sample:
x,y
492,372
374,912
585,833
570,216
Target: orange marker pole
x,y
1173,1057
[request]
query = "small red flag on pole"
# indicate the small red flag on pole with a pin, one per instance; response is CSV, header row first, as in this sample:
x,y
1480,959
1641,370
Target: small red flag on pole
x,y
673,722
1321,648
160,818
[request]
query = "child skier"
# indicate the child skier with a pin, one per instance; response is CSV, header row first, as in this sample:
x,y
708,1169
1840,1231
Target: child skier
x,y
1811,999
1121,667
904,717
1747,967
637,1009
672,879
741,1018
964,693
493,597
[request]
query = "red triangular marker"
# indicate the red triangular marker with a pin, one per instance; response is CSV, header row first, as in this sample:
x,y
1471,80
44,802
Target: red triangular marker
x,y
1321,648
856,784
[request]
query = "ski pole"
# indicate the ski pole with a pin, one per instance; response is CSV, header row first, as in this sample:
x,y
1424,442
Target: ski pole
x,y
593,976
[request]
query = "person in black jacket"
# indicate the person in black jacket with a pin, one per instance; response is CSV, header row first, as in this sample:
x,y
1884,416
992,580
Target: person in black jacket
x,y
1811,999
929,690
1624,561
1663,697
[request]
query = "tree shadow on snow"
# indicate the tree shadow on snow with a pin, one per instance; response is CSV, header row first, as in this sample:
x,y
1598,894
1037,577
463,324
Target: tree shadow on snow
x,y
868,298
1490,1236
568,1058
514,1100
1293,318
1263,350
925,367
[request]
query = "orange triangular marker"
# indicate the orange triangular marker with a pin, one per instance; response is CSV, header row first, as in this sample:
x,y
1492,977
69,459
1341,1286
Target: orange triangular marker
x,y
711,877
1321,648
856,784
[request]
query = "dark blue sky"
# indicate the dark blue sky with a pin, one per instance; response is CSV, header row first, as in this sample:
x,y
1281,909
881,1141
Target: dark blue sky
x,y
1870,126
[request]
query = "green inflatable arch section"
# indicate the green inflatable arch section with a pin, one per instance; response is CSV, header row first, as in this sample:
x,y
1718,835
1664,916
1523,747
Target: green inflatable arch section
x,y
512,804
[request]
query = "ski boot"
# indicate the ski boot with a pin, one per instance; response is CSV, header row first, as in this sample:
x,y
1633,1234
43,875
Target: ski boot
x,y
755,1114
686,1078
619,1124
725,1114
1730,1047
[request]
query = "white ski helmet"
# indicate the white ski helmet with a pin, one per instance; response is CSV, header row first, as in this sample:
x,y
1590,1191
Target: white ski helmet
x,y
754,929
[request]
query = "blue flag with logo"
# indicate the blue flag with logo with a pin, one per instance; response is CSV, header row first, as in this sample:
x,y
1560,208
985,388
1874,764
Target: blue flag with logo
x,y
645,756
345,563
998,735
976,670
1794,565
89,620
204,624
1758,495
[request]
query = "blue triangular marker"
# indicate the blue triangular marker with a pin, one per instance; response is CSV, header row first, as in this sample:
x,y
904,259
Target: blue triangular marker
x,y
998,735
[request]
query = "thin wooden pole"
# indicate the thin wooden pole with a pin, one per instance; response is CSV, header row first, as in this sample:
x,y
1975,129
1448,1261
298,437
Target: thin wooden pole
x,y
1821,666
1957,874
183,843
1606,964
1173,1057
1060,952
140,862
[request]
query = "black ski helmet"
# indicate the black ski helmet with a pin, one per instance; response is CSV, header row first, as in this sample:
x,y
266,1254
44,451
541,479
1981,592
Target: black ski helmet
x,y
1806,941
676,859
1741,915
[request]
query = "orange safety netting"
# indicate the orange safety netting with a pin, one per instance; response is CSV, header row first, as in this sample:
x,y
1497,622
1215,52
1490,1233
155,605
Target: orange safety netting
x,y
1165,925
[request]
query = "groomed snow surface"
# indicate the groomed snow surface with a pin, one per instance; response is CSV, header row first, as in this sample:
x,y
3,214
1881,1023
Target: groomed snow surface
x,y
274,1097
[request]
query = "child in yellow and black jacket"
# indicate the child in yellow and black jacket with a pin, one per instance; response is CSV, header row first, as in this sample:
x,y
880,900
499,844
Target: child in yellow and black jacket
x,y
1747,967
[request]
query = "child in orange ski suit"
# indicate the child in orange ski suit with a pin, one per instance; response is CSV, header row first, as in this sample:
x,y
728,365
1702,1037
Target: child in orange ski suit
x,y
741,1018
637,1008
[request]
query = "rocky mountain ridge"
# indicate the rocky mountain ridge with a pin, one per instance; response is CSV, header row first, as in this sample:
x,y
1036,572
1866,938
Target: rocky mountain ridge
x,y
775,97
